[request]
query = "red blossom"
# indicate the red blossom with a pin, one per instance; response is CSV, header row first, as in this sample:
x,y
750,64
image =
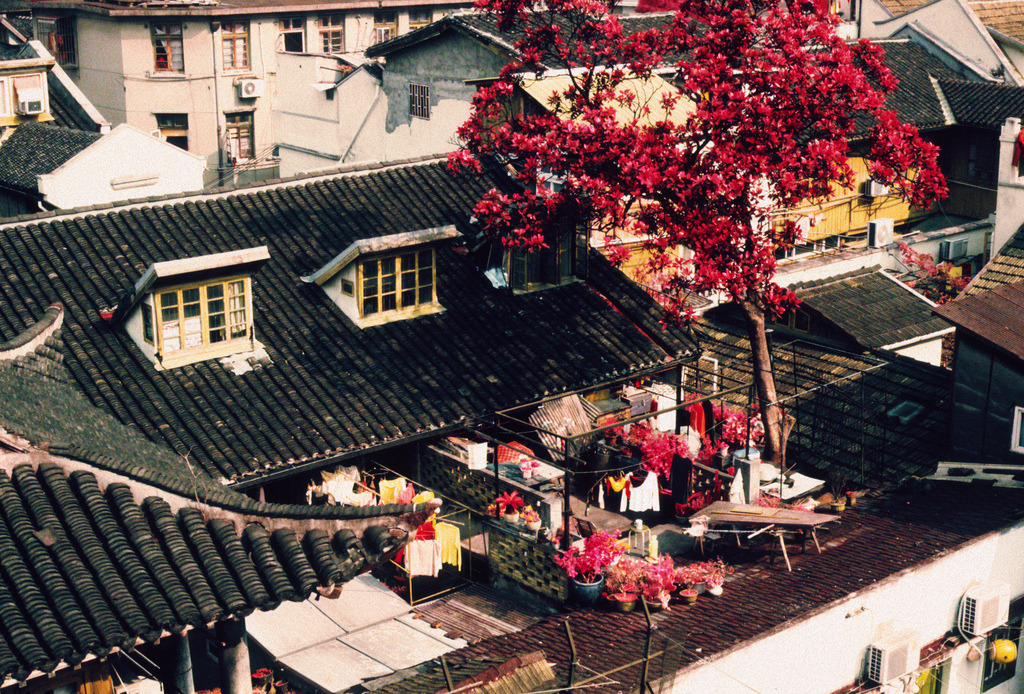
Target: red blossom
x,y
774,97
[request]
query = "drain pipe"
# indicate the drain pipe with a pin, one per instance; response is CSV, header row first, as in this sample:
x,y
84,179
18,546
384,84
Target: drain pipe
x,y
214,28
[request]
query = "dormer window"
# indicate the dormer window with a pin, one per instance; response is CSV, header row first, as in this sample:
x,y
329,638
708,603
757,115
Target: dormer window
x,y
203,316
387,278
184,311
543,267
397,282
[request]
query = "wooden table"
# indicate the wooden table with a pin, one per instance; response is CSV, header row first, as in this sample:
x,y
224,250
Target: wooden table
x,y
766,519
541,475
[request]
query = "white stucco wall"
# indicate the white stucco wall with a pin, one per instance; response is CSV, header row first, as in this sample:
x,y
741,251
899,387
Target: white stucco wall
x,y
929,350
825,651
122,165
1010,195
314,132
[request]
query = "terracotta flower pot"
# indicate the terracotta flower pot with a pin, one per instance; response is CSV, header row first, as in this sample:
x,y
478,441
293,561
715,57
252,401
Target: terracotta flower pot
x,y
689,596
512,518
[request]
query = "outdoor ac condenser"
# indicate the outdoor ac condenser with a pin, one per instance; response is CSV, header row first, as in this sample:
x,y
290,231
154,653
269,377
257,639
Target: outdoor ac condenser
x,y
983,608
880,232
893,656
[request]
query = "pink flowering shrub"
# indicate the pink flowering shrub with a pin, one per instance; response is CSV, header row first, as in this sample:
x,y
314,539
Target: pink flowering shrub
x,y
586,564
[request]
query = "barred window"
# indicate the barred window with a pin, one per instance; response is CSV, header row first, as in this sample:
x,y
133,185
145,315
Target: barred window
x,y
419,100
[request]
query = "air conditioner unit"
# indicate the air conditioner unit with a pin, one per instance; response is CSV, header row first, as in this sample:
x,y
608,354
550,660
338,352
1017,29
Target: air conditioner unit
x,y
893,656
250,88
880,232
983,608
30,102
949,250
876,189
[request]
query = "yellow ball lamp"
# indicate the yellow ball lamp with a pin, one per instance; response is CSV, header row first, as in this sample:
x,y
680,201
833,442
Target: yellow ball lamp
x,y
1003,651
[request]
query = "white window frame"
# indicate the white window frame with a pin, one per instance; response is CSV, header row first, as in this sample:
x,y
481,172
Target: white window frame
x,y
1018,424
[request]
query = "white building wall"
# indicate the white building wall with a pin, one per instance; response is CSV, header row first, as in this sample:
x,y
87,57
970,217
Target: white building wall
x,y
1010,195
929,351
122,165
825,651
315,132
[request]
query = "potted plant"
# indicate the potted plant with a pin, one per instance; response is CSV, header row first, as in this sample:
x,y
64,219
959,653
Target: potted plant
x,y
836,486
691,576
508,505
531,519
716,571
528,468
585,564
660,577
622,583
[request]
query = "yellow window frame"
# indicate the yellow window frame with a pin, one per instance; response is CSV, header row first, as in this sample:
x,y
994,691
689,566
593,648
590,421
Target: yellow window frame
x,y
207,347
407,289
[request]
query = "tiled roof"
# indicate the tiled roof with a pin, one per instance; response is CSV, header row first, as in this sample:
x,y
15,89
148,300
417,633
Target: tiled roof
x,y
983,104
915,99
329,387
841,402
66,111
996,315
1006,268
95,561
485,29
37,148
873,308
1003,16
95,567
868,545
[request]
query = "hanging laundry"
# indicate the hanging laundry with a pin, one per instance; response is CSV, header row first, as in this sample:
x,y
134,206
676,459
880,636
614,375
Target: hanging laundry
x,y
643,493
406,494
611,491
696,411
423,497
366,498
389,490
341,483
451,544
423,557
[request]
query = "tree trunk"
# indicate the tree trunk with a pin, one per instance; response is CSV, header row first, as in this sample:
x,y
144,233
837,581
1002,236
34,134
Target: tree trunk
x,y
764,382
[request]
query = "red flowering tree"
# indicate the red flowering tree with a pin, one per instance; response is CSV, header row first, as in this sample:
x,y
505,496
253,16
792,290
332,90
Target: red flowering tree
x,y
773,97
933,280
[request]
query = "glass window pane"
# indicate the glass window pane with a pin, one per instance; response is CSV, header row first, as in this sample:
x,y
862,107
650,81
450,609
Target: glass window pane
x,y
426,294
408,297
369,305
388,302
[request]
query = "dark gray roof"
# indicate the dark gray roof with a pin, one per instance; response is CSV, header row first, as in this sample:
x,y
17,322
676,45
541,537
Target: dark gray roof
x,y
1006,268
330,388
485,29
915,98
983,104
94,562
871,307
38,148
996,316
